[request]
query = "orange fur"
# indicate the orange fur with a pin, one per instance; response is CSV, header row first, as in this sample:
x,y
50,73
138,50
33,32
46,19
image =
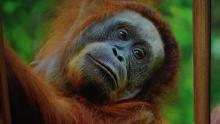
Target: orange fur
x,y
43,103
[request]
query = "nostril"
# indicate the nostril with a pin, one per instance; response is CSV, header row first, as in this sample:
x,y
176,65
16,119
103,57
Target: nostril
x,y
120,58
114,51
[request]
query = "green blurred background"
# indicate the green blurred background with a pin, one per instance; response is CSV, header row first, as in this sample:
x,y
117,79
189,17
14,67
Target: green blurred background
x,y
215,56
26,25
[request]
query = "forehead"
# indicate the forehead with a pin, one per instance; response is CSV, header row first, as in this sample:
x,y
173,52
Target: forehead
x,y
132,18
143,26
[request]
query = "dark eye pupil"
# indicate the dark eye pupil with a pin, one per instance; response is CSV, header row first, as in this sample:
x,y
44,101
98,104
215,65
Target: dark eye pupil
x,y
139,53
123,34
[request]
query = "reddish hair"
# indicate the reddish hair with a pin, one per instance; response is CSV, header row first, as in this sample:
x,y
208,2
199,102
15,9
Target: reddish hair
x,y
44,104
164,78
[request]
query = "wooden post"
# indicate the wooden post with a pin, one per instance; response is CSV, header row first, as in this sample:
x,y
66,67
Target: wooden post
x,y
4,97
201,53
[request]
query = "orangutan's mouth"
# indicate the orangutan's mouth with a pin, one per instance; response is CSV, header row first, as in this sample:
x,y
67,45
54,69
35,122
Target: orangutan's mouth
x,y
106,69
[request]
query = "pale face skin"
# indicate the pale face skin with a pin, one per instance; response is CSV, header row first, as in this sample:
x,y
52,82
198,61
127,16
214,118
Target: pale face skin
x,y
112,59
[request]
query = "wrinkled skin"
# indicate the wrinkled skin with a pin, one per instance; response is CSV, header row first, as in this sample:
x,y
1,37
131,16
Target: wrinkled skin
x,y
110,60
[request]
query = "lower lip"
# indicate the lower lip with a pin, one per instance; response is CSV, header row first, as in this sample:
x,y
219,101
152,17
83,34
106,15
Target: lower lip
x,y
103,68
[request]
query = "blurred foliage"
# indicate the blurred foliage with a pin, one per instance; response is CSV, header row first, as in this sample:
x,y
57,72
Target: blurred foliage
x,y
26,25
215,53
178,13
